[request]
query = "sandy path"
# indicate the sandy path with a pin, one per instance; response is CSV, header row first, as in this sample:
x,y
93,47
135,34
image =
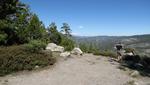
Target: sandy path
x,y
85,70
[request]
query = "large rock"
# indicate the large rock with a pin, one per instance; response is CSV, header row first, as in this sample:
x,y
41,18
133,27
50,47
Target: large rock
x,y
65,55
77,51
54,48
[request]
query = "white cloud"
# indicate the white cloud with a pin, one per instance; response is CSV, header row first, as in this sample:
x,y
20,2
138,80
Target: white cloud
x,y
63,32
74,34
81,27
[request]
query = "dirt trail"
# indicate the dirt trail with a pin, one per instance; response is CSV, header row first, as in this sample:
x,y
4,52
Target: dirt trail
x,y
84,70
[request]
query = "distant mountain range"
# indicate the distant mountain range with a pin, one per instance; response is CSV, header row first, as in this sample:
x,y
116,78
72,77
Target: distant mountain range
x,y
139,42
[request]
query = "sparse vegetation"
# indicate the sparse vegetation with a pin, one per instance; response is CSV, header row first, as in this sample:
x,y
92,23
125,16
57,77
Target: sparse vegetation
x,y
92,48
105,53
67,43
88,47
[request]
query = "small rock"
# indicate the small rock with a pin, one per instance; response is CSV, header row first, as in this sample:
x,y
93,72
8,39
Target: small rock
x,y
65,55
36,67
77,51
5,80
135,83
98,58
132,82
135,74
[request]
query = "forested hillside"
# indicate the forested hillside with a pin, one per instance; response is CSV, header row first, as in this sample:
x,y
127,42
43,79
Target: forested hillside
x,y
141,43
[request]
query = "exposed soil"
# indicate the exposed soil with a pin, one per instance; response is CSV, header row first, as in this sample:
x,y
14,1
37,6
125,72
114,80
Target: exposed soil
x,y
76,70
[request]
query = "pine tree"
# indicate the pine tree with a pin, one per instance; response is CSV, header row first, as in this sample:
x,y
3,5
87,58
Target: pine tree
x,y
10,7
10,11
66,29
54,35
35,28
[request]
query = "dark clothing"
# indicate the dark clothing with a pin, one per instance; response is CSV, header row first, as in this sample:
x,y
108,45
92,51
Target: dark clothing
x,y
119,47
120,51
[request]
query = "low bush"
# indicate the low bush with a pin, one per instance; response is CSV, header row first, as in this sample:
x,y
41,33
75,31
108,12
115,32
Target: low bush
x,y
35,46
133,58
97,53
67,43
55,37
16,58
136,62
88,48
3,38
105,53
145,60
84,47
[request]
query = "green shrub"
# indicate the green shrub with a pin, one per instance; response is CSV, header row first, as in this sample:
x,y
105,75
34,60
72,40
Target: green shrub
x,y
97,53
35,46
145,61
132,58
67,43
83,47
55,38
88,47
137,62
105,53
3,38
16,58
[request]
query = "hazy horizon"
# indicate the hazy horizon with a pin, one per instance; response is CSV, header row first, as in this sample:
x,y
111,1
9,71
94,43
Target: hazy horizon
x,y
110,35
96,17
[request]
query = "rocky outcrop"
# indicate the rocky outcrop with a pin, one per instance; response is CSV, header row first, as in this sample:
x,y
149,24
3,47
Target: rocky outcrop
x,y
77,51
54,48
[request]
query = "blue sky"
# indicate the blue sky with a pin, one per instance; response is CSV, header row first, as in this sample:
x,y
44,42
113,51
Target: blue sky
x,y
96,17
